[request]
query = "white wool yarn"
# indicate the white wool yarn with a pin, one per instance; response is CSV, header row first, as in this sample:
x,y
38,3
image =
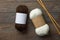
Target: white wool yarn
x,y
35,12
43,30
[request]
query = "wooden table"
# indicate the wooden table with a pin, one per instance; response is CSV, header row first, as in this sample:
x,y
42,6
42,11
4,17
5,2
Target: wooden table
x,y
7,16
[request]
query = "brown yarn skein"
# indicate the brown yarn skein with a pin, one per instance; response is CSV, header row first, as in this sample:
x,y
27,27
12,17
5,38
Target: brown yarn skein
x,y
21,9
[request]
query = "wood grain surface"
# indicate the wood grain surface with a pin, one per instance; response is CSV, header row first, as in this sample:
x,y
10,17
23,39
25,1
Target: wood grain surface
x,y
7,17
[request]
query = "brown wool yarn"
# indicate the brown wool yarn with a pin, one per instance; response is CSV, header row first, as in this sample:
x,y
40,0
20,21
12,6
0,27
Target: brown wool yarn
x,y
22,9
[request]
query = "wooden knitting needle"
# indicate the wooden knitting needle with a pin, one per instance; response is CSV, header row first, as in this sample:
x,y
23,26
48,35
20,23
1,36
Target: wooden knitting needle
x,y
50,16
49,13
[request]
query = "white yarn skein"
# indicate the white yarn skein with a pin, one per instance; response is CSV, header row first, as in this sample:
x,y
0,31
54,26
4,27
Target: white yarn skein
x,y
42,30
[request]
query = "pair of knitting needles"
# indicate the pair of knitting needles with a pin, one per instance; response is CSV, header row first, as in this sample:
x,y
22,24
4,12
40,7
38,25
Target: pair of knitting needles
x,y
56,25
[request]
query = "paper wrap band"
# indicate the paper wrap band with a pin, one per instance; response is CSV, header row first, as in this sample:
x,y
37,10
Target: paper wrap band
x,y
21,18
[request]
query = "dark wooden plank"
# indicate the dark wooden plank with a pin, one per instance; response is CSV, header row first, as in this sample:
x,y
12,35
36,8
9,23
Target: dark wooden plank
x,y
11,33
26,0
52,0
7,17
53,6
11,6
